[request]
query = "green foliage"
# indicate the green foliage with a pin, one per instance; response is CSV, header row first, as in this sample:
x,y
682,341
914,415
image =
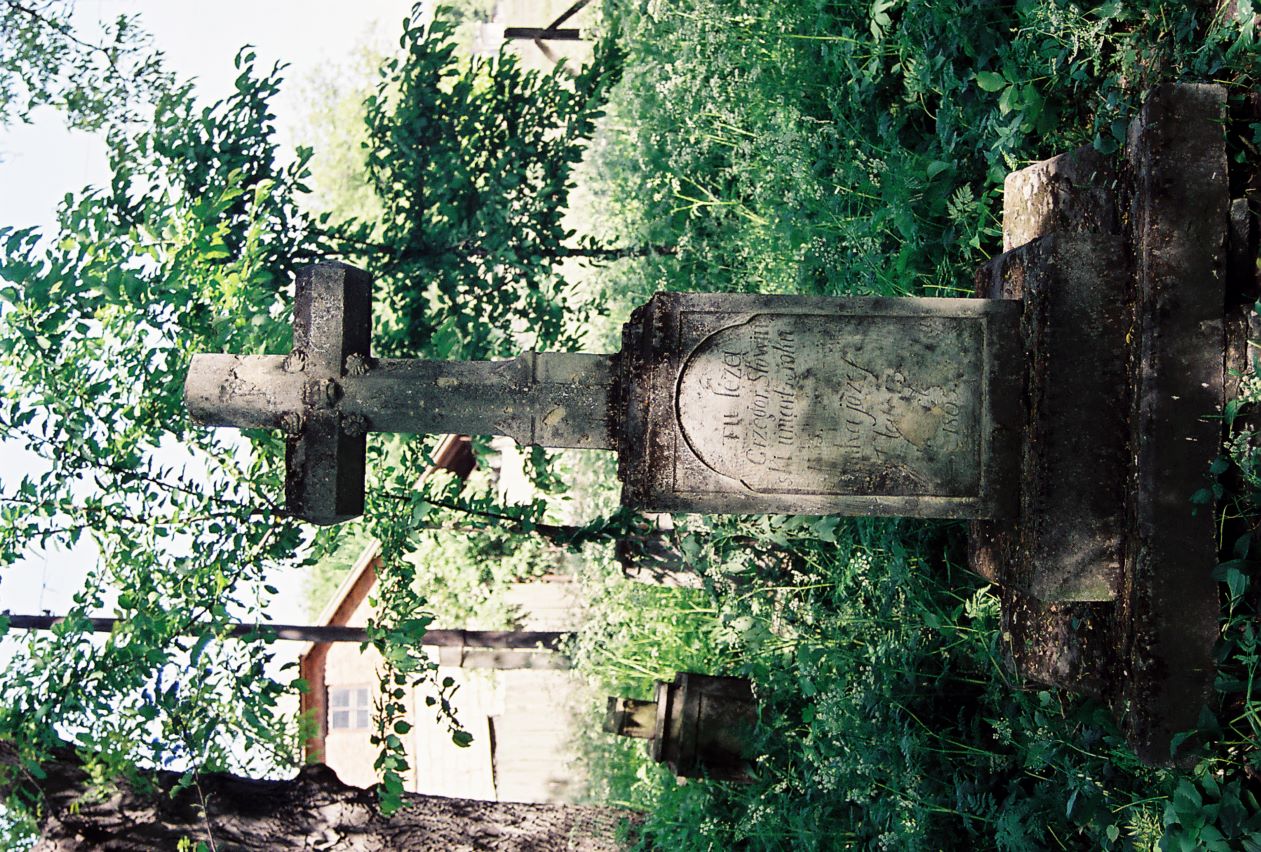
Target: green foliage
x,y
831,147
95,81
860,148
330,568
333,126
471,163
888,717
394,516
189,248
396,629
1203,813
465,574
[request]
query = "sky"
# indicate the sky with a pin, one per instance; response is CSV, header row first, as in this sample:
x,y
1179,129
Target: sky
x,y
41,162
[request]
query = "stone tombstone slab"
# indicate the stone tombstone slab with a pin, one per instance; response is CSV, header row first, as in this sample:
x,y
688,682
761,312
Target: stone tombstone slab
x,y
746,403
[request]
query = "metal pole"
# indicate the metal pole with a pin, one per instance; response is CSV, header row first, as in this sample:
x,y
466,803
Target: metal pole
x,y
532,33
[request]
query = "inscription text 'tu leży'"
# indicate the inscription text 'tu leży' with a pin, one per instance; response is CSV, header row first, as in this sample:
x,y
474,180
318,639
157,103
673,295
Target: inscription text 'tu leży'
x,y
834,405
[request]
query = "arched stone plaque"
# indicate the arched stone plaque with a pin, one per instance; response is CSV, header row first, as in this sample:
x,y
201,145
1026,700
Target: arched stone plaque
x,y
743,403
790,403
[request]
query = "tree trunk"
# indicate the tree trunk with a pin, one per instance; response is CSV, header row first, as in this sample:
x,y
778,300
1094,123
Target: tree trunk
x,y
315,810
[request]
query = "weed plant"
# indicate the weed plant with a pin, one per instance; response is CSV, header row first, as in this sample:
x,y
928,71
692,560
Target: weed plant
x,y
835,147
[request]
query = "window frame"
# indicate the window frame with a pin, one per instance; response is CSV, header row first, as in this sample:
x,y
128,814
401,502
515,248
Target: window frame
x,y
349,704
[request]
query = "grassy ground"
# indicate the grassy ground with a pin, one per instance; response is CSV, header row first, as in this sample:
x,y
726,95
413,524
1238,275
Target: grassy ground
x,y
859,148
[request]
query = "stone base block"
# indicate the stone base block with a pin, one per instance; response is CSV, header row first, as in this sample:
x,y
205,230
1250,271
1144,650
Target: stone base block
x,y
1179,216
1071,193
1068,645
1065,544
1131,325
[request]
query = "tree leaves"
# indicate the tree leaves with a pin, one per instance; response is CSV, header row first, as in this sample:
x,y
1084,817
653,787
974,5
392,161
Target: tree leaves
x,y
187,249
991,81
97,82
471,162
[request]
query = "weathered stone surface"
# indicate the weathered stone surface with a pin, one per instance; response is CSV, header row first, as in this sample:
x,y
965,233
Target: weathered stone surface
x,y
1074,192
1150,650
628,717
332,324
751,411
550,399
1241,266
1025,411
699,725
819,406
989,546
1066,644
1243,325
300,392
1179,217
1066,543
744,404
1074,329
329,392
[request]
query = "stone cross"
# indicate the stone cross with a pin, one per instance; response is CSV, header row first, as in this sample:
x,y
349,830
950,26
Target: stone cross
x,y
717,403
1071,413
329,392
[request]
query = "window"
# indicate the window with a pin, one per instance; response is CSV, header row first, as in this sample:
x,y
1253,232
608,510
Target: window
x,y
349,708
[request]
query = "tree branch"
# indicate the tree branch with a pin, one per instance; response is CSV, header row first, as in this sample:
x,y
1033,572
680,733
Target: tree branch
x,y
548,640
313,808
65,31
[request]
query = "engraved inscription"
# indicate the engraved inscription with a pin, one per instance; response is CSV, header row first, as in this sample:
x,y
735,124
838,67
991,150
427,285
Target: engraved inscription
x,y
856,405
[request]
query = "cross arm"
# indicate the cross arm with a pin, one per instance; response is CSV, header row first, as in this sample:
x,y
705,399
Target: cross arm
x,y
245,391
548,399
324,460
329,392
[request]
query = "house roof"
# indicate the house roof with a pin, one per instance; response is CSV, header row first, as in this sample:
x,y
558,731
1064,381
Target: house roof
x,y
362,577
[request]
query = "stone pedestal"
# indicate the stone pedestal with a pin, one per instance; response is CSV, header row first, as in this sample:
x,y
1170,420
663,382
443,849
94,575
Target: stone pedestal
x,y
1065,542
1122,272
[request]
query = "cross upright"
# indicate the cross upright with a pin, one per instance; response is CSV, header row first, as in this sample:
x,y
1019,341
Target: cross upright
x,y
329,392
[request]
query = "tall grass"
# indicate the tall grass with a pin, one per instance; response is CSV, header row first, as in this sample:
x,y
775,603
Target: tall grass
x,y
837,147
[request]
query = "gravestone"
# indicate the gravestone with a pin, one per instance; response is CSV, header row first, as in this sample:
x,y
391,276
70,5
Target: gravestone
x,y
1070,413
731,403
740,403
329,392
698,725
